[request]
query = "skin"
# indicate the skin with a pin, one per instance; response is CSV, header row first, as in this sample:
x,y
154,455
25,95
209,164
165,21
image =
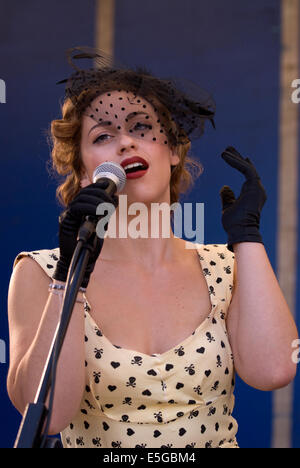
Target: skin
x,y
109,144
260,326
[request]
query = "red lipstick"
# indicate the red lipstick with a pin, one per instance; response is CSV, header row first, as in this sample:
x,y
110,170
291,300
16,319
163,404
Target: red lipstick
x,y
132,173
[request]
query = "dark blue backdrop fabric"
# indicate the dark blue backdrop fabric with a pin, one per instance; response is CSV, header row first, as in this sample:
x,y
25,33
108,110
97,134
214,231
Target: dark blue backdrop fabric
x,y
231,48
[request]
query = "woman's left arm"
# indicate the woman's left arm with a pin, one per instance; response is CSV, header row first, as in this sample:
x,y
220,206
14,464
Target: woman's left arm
x,y
260,325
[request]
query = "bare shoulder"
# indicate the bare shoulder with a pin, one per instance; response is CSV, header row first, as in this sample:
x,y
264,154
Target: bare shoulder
x,y
27,296
28,280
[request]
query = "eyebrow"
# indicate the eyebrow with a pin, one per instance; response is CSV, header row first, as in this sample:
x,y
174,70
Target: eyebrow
x,y
107,123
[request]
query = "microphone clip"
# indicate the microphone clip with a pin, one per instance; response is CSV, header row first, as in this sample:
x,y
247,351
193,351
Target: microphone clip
x,y
87,229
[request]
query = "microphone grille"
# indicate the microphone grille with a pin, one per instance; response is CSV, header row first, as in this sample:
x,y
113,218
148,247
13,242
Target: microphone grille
x,y
112,171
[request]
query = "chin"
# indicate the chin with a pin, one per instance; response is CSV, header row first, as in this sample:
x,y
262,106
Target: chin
x,y
147,197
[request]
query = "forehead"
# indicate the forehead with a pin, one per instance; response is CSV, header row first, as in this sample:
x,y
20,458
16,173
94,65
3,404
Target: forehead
x,y
123,110
117,105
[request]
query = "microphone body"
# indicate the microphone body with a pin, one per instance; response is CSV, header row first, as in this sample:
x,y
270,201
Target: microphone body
x,y
115,176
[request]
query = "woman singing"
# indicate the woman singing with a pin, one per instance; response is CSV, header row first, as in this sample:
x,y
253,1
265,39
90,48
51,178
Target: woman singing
x,y
158,329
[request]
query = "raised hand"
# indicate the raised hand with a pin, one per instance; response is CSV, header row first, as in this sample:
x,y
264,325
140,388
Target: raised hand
x,y
241,216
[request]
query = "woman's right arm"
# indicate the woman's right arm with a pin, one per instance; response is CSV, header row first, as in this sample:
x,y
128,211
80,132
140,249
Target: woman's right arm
x,y
33,315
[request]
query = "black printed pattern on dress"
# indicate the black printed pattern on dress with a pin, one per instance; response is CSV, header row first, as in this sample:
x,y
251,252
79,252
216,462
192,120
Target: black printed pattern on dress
x,y
182,398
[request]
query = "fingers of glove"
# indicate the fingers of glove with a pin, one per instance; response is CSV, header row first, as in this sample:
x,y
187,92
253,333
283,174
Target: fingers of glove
x,y
227,196
254,168
232,150
103,184
103,196
226,191
85,209
94,190
94,198
234,159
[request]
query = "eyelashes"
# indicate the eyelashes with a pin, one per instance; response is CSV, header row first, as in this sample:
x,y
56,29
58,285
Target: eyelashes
x,y
138,127
101,138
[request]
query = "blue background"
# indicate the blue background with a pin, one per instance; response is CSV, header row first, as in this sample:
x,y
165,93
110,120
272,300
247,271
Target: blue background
x,y
230,48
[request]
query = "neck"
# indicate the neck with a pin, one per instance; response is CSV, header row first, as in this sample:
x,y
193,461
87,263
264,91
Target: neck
x,y
140,234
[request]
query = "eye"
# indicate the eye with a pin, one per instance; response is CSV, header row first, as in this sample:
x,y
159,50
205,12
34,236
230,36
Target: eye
x,y
139,126
102,138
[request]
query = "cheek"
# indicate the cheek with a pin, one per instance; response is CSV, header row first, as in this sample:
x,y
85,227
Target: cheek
x,y
164,160
88,167
91,158
161,172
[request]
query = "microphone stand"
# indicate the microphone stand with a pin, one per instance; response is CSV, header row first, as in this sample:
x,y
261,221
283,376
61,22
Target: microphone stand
x,y
37,416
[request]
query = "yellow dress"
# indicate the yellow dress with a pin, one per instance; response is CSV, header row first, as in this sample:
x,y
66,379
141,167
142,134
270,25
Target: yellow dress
x,y
182,398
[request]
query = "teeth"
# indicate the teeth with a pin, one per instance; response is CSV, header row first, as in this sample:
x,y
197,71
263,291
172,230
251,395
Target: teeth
x,y
129,166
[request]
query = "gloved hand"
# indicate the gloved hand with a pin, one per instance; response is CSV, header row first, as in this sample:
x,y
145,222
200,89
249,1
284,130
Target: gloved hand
x,y
85,203
241,216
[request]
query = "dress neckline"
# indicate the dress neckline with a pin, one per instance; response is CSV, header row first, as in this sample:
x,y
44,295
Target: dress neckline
x,y
204,322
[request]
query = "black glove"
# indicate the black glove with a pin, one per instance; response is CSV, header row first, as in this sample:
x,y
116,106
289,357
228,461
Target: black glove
x,y
85,203
241,216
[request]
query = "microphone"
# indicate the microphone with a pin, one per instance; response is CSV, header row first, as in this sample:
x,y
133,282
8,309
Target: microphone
x,y
114,173
116,177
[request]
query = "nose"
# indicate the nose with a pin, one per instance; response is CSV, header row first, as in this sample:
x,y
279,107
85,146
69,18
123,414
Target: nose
x,y
126,143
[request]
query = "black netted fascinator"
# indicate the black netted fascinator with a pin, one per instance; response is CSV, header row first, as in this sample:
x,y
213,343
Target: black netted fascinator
x,y
166,110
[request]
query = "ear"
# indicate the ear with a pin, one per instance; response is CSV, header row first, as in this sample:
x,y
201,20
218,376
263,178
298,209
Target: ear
x,y
174,158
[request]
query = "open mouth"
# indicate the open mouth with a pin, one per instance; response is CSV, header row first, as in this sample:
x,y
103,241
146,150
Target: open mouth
x,y
135,167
